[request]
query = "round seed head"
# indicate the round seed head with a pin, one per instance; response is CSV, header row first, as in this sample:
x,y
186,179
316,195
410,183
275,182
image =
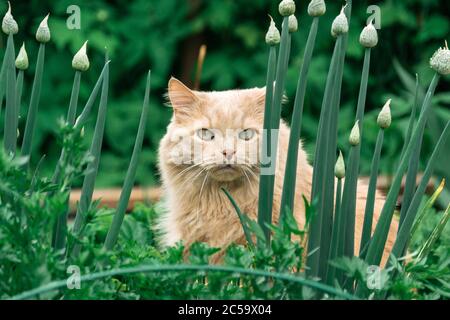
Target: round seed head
x,y
43,31
286,8
80,61
354,135
293,24
340,24
384,118
339,168
9,25
440,61
369,36
272,35
22,59
317,8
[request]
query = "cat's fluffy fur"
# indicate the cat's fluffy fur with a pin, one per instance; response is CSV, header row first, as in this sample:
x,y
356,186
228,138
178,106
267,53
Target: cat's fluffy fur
x,y
196,208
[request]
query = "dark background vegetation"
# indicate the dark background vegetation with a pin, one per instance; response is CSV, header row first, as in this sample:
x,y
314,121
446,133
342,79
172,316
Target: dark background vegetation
x,y
165,36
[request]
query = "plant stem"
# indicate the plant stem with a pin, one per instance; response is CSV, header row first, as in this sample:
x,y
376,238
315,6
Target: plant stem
x,y
412,117
81,120
265,197
95,150
3,80
10,138
370,203
34,104
318,171
328,182
405,230
331,273
287,198
60,232
113,232
19,89
351,182
428,205
265,217
183,267
247,231
435,235
376,246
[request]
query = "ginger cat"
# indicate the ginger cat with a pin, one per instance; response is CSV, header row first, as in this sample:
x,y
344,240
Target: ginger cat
x,y
213,142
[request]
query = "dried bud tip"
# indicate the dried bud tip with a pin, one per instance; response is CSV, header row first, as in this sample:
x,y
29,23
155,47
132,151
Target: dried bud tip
x,y
317,8
9,25
272,35
339,168
80,61
384,118
43,31
355,135
286,8
22,59
293,24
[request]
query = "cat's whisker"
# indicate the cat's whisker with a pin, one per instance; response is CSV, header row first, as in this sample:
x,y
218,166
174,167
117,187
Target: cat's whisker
x,y
190,178
251,172
203,184
185,170
246,176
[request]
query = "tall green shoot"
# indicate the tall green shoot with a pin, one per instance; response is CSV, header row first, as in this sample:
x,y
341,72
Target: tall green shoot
x,y
42,36
113,232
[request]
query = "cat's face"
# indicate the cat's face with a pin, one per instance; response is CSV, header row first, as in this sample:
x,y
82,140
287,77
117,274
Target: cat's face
x,y
216,133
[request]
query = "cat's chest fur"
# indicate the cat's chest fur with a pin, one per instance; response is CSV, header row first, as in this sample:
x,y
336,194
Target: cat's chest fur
x,y
204,213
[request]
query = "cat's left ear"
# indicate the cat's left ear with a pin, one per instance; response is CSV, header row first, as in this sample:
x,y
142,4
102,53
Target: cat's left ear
x,y
181,98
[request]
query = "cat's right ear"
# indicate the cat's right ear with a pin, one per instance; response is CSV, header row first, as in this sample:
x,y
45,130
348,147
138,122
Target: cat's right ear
x,y
182,99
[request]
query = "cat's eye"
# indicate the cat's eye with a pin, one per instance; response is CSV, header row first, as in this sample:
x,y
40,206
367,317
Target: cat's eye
x,y
247,134
205,134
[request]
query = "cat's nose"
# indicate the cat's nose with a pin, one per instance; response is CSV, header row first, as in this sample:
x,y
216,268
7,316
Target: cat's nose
x,y
228,153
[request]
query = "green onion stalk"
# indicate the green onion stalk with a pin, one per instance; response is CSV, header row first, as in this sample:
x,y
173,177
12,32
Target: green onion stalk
x,y
339,172
412,116
405,230
315,9
10,28
273,114
42,36
21,65
265,199
80,63
384,121
113,232
435,235
368,39
323,160
87,189
341,30
55,285
440,62
413,166
351,176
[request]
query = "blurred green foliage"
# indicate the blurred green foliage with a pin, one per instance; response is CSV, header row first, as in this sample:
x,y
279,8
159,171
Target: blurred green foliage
x,y
165,36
